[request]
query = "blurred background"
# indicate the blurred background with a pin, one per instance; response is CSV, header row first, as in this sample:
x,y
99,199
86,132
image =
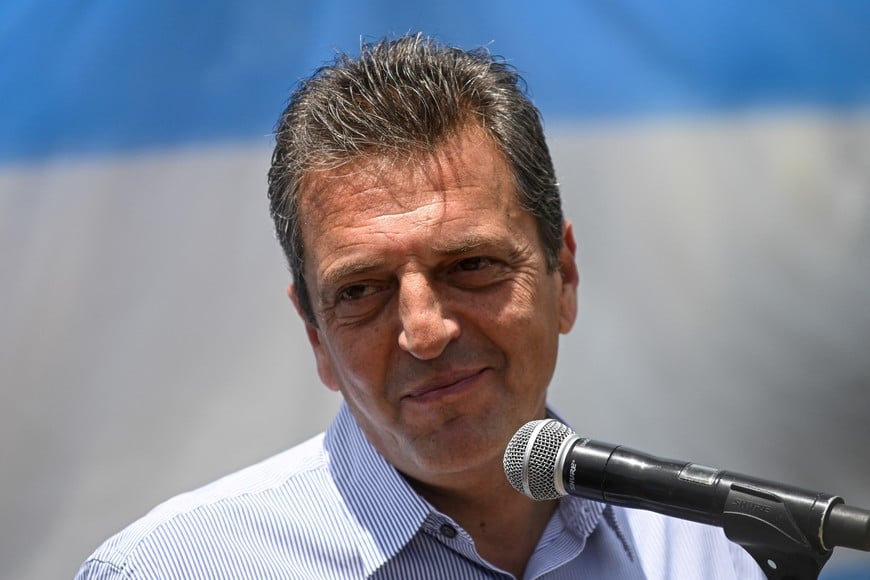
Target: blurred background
x,y
714,157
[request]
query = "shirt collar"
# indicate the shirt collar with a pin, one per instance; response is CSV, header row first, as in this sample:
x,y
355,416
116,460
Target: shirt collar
x,y
365,479
581,516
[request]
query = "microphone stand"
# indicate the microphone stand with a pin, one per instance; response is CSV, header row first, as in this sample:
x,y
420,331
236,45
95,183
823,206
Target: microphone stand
x,y
790,532
785,545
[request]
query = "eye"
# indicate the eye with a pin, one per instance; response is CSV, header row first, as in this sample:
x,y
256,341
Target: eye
x,y
356,292
358,302
474,264
478,272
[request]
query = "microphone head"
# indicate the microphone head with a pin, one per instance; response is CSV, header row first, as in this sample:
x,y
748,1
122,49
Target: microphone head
x,y
532,461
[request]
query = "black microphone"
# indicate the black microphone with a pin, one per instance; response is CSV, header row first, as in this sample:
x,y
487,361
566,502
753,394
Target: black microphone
x,y
546,459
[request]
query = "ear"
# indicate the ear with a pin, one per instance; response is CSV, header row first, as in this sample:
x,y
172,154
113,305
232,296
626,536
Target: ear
x,y
321,356
570,279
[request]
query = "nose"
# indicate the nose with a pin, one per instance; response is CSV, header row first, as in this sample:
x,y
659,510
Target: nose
x,y
427,327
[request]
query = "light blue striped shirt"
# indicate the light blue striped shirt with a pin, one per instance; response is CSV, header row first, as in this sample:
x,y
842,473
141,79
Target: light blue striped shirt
x,y
332,507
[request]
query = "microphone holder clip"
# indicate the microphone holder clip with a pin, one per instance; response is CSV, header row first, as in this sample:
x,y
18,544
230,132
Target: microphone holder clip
x,y
785,547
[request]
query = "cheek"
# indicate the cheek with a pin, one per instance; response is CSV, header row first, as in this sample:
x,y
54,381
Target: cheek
x,y
359,359
531,306
528,328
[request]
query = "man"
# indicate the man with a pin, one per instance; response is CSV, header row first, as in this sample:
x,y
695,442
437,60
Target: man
x,y
415,198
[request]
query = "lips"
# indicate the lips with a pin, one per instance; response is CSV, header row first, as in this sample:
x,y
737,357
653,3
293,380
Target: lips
x,y
444,386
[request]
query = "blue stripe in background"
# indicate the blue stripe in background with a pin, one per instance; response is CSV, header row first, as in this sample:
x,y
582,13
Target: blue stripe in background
x,y
104,76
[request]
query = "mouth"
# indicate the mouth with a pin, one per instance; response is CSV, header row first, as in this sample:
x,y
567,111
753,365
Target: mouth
x,y
444,388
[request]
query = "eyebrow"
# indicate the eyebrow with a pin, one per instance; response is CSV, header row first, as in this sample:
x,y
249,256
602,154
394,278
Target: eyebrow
x,y
468,243
348,269
465,245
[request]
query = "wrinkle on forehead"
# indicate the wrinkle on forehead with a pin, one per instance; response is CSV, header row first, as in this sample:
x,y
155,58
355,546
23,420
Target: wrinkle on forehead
x,y
367,179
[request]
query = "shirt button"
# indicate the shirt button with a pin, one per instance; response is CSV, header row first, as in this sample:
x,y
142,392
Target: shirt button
x,y
448,531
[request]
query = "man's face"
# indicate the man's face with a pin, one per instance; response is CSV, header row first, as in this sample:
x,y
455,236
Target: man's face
x,y
436,316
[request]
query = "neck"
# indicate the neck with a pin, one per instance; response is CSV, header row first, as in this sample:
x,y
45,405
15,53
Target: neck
x,y
505,525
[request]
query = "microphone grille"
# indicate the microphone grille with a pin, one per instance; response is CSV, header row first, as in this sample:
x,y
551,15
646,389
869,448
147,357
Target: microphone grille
x,y
531,458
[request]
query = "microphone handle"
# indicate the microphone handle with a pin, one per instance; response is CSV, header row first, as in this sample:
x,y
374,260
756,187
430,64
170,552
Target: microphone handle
x,y
751,511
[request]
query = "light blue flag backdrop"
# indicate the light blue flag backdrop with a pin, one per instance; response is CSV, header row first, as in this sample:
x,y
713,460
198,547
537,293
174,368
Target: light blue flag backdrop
x,y
714,157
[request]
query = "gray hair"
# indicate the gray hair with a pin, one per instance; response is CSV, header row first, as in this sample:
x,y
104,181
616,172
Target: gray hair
x,y
399,98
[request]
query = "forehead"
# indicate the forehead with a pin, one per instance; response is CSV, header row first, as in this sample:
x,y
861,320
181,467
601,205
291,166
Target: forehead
x,y
467,173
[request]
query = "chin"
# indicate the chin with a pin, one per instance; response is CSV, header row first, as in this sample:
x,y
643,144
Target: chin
x,y
463,449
